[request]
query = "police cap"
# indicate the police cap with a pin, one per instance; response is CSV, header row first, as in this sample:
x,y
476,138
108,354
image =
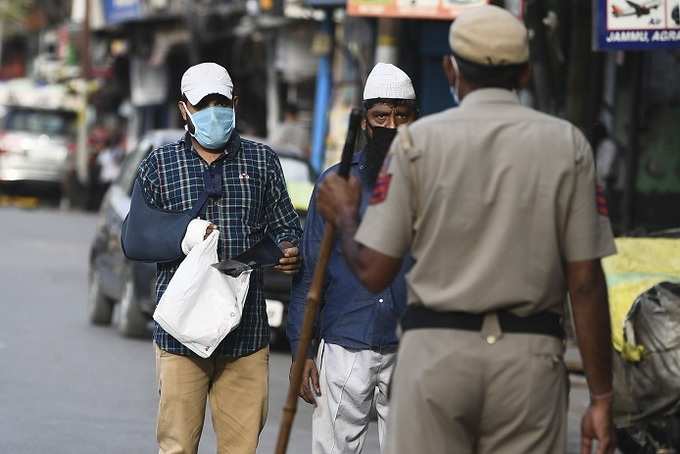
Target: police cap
x,y
489,36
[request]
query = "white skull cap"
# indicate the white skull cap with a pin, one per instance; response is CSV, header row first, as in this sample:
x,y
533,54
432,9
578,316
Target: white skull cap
x,y
388,82
206,79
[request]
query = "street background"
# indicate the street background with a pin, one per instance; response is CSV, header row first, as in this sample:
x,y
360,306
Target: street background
x,y
89,87
68,387
110,71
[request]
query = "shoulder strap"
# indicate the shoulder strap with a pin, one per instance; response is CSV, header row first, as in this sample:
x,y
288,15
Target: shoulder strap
x,y
406,143
198,206
212,187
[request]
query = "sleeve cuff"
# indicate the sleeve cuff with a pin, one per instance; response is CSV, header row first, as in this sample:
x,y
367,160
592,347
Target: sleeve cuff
x,y
382,245
311,351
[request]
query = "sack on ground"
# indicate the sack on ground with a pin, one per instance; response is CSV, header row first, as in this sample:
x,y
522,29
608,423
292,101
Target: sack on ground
x,y
201,305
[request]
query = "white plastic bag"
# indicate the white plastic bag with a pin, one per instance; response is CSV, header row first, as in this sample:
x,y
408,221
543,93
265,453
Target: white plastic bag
x,y
202,305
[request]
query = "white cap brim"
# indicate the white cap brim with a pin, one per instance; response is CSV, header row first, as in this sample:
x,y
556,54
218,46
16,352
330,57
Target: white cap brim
x,y
195,95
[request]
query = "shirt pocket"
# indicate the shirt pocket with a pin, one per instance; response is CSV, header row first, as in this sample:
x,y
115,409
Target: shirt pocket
x,y
244,199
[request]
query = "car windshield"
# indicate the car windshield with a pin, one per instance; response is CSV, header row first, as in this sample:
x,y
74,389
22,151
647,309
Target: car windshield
x,y
295,170
38,121
128,170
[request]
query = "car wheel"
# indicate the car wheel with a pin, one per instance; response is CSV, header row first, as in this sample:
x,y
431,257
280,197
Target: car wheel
x,y
277,339
132,322
99,307
274,337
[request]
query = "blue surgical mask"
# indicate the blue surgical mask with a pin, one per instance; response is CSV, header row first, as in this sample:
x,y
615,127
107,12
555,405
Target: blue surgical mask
x,y
213,126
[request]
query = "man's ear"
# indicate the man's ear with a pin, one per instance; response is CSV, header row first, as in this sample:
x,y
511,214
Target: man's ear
x,y
182,111
234,102
524,76
449,70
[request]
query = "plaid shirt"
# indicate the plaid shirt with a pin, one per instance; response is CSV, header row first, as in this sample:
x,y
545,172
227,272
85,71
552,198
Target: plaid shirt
x,y
255,203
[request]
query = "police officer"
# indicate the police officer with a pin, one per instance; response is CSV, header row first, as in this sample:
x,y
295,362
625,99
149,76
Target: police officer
x,y
498,205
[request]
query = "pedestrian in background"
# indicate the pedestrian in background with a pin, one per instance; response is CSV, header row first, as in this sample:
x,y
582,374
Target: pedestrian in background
x,y
356,352
291,134
497,204
109,161
254,203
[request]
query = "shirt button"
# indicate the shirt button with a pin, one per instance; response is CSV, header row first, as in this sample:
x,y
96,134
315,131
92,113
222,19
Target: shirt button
x,y
380,300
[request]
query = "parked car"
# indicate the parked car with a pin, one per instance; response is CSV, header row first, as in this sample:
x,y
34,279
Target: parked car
x,y
115,279
112,277
34,145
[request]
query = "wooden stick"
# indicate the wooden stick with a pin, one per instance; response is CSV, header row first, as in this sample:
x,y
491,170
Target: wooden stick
x,y
311,308
314,297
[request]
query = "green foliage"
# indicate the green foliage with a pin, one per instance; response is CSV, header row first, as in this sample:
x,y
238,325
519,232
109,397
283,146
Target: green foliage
x,y
15,10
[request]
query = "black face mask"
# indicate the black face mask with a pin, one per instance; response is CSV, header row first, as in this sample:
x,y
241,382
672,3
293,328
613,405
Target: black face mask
x,y
377,147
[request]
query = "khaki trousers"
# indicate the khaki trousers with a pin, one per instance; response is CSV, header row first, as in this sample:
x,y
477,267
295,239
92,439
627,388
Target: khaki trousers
x,y
237,389
455,393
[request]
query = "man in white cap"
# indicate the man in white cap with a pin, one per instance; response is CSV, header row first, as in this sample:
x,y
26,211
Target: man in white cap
x,y
497,204
249,203
356,335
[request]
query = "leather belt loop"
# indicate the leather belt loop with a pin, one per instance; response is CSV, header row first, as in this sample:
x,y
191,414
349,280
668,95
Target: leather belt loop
x,y
491,330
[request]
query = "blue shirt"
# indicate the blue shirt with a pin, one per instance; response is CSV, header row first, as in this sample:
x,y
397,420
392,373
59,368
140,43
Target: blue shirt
x,y
255,203
351,316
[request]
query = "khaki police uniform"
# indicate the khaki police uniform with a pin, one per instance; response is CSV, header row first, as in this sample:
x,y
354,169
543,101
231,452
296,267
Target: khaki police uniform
x,y
492,199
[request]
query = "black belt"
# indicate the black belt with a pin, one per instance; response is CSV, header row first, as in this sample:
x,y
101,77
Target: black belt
x,y
545,323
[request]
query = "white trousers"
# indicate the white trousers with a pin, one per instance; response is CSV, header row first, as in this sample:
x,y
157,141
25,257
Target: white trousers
x,y
353,384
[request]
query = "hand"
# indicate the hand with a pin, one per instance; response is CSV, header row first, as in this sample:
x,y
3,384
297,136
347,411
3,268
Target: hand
x,y
338,196
209,230
309,387
197,230
290,262
597,424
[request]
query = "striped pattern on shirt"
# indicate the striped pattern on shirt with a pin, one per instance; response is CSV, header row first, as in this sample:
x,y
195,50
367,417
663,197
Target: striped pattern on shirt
x,y
254,203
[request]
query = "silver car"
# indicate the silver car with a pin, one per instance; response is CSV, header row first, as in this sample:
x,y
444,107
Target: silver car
x,y
34,145
113,278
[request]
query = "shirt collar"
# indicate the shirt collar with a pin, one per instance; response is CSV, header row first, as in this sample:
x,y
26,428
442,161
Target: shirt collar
x,y
490,96
232,147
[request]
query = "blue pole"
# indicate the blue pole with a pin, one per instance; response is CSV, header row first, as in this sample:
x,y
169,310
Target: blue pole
x,y
322,98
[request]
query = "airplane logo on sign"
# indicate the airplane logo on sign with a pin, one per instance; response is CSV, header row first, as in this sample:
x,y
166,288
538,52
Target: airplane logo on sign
x,y
637,9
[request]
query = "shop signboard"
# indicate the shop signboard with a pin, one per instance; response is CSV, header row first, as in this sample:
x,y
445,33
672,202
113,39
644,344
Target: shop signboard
x,y
116,11
413,9
637,24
